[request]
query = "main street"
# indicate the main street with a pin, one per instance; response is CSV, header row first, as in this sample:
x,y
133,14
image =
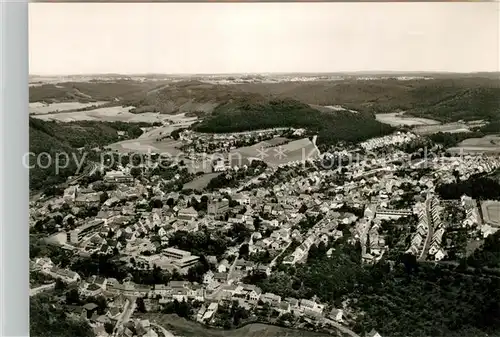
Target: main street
x,y
430,230
129,309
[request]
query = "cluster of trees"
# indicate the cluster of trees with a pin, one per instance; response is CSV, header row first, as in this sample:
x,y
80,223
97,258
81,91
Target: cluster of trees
x,y
448,139
456,104
201,242
48,320
183,309
331,127
63,142
477,187
232,315
400,299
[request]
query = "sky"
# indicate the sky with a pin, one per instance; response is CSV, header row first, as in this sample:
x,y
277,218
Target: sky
x,y
197,38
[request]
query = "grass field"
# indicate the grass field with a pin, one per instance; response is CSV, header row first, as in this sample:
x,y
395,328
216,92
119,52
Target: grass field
x,y
486,144
200,182
398,119
111,114
182,327
39,108
491,212
296,150
449,128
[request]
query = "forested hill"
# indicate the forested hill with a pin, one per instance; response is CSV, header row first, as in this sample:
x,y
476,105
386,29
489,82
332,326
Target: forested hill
x,y
331,126
66,138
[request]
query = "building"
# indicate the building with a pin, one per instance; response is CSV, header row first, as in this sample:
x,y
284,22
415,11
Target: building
x,y
217,207
118,177
388,214
270,298
64,274
88,200
210,312
176,254
337,315
76,235
311,306
373,333
187,261
187,214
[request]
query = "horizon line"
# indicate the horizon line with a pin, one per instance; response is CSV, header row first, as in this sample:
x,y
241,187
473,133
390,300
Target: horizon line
x,y
370,72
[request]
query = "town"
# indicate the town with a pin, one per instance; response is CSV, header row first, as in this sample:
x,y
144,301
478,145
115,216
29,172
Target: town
x,y
123,244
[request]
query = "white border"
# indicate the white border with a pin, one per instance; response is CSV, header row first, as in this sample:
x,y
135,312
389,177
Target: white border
x,y
14,233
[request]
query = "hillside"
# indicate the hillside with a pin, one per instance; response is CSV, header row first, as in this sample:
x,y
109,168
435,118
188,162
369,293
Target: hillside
x,y
91,91
65,138
466,104
48,321
447,99
444,99
190,96
330,126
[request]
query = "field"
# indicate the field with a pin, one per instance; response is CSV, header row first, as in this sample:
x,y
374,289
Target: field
x,y
110,114
297,150
398,119
486,144
39,108
200,182
148,141
182,327
491,213
448,128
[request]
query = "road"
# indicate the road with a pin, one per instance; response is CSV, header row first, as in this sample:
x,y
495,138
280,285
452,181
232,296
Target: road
x,y
36,291
231,268
90,169
273,262
125,317
430,231
341,327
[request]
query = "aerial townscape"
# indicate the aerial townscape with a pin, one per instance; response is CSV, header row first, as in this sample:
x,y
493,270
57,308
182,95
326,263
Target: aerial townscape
x,y
177,190
251,217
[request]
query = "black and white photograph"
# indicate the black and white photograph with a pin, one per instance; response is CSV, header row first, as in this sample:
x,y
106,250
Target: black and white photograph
x,y
264,169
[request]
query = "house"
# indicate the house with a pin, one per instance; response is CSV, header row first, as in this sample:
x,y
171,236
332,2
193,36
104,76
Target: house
x,y
248,292
64,274
88,200
270,298
223,266
44,264
373,333
187,214
337,315
161,289
201,313
113,313
244,265
440,254
197,293
118,177
210,312
180,294
92,290
264,269
311,306
368,258
208,277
